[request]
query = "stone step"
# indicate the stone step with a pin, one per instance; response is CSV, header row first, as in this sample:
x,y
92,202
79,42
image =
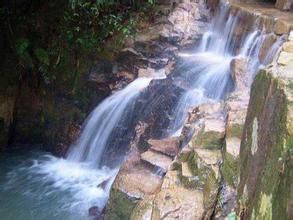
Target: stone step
x,y
157,159
167,146
138,182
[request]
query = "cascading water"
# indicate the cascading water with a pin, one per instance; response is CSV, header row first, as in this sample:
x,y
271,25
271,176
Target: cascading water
x,y
102,122
209,65
69,187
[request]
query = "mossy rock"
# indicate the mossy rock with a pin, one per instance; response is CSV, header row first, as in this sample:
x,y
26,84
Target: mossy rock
x,y
210,194
209,140
265,170
234,130
230,170
199,170
120,206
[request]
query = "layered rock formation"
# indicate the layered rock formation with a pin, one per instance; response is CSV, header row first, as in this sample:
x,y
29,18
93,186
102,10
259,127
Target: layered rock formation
x,y
221,164
265,184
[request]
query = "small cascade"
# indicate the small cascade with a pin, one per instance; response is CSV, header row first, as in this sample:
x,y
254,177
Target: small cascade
x,y
208,66
102,122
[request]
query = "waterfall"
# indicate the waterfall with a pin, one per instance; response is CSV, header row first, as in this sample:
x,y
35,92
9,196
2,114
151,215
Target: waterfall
x,y
201,75
102,121
208,65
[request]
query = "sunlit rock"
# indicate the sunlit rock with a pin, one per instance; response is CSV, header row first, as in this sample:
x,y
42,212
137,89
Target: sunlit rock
x,y
157,159
288,46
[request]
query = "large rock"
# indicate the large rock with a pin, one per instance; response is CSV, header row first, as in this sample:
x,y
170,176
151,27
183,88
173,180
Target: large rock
x,y
174,201
239,72
157,159
265,189
135,179
168,146
211,135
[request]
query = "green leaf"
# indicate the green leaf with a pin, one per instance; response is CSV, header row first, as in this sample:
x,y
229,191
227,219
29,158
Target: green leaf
x,y
22,46
42,56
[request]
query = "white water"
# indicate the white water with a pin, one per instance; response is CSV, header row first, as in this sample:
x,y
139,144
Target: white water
x,y
101,123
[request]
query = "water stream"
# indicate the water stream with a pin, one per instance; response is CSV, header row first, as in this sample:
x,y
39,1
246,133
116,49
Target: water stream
x,y
41,186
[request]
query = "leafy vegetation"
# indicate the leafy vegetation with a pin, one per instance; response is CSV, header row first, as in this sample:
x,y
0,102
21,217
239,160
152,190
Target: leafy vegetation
x,y
49,37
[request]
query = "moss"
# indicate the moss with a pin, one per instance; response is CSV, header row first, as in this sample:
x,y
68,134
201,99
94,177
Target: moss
x,y
230,170
234,130
143,206
209,140
200,171
210,191
265,173
119,206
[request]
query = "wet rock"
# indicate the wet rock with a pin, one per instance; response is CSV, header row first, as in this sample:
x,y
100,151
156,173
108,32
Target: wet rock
x,y
73,132
61,149
239,72
96,214
132,60
168,146
149,72
157,159
266,46
281,27
125,75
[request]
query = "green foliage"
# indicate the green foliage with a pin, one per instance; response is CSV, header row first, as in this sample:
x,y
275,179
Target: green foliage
x,y
89,25
42,56
22,46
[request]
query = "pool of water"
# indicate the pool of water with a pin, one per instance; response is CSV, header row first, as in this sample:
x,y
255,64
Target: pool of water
x,y
37,185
